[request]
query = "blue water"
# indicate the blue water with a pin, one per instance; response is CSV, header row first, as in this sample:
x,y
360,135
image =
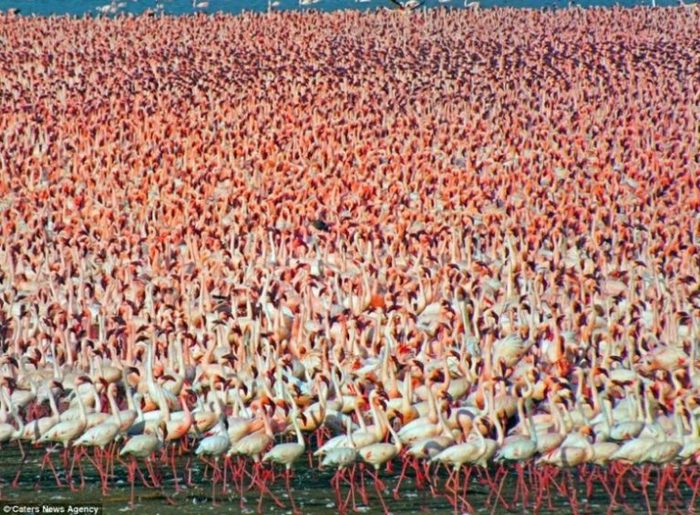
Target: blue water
x,y
180,7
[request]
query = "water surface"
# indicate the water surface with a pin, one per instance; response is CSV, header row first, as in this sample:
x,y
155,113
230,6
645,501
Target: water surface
x,y
311,491
184,7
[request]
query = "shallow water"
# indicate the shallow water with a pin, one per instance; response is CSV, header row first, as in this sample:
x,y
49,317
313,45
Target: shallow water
x,y
312,493
180,7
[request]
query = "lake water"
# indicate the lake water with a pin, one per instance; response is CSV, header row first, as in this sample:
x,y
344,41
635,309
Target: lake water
x,y
184,7
312,492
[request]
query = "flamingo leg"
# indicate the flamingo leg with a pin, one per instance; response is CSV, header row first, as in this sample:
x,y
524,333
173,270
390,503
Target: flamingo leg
x,y
151,471
287,474
572,491
467,476
216,477
645,484
363,489
76,456
213,492
113,458
240,477
15,481
406,463
352,487
344,507
431,484
107,459
132,477
426,475
49,461
499,498
264,489
65,458
255,480
662,480
224,487
188,469
379,486
335,483
174,470
456,486
486,475
104,462
96,461
540,488
618,482
696,487
420,477
142,477
521,490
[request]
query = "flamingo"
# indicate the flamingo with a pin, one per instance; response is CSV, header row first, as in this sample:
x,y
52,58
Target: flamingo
x,y
239,425
287,453
407,6
15,434
6,432
423,427
361,438
125,418
33,430
433,445
403,407
65,432
341,458
215,445
691,442
634,450
549,441
141,447
100,436
377,454
253,444
520,450
619,431
460,454
602,452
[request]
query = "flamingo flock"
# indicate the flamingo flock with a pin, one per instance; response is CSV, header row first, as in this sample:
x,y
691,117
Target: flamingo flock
x,y
458,247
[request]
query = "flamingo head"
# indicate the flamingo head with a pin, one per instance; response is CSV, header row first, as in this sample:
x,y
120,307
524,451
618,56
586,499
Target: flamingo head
x,y
83,380
9,383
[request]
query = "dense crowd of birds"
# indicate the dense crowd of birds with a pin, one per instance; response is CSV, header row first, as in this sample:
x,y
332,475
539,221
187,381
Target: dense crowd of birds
x,y
454,237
